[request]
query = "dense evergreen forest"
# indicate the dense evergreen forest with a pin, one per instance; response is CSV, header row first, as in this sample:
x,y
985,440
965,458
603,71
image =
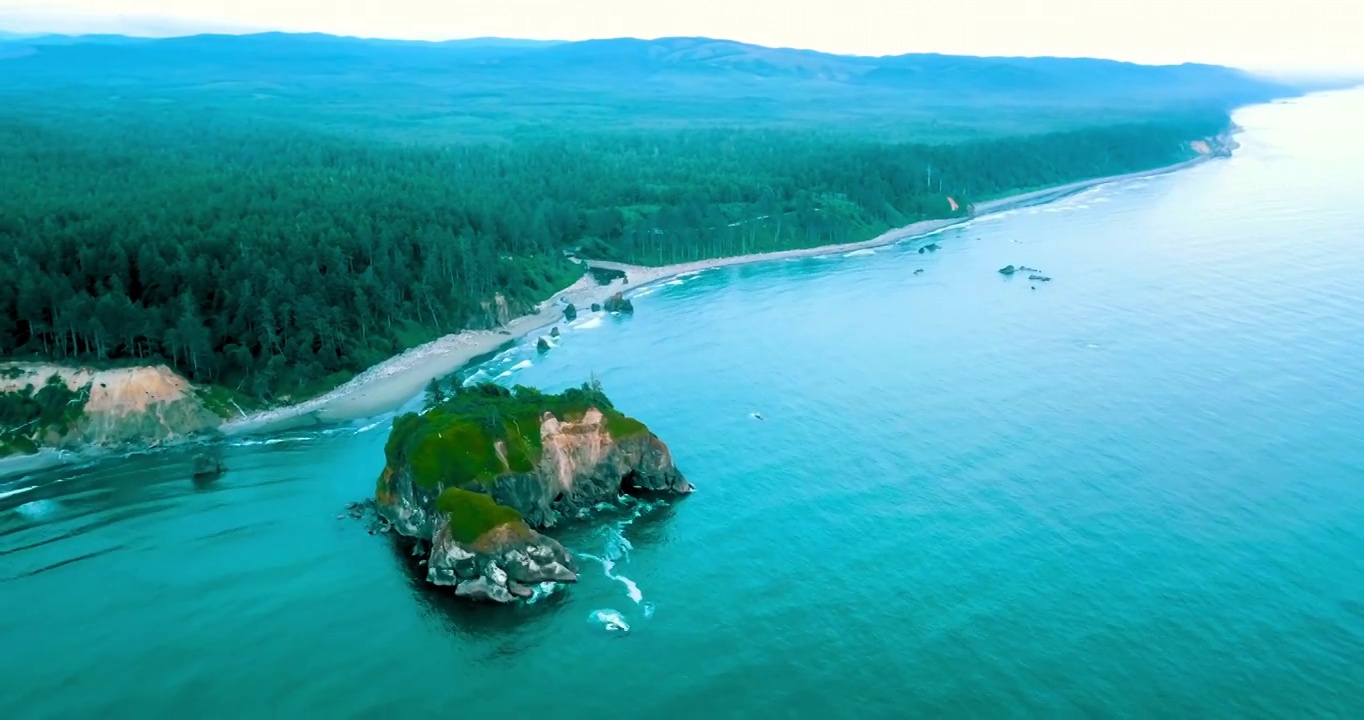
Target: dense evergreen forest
x,y
278,251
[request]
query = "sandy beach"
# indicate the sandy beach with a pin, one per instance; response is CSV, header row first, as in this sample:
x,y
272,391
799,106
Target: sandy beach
x,y
392,383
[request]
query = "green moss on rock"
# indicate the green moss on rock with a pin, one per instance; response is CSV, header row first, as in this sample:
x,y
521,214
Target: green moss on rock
x,y
473,514
484,431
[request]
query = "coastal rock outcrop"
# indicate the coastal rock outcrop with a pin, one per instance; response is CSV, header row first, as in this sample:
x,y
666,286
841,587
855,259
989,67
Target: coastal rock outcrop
x,y
618,304
65,407
473,477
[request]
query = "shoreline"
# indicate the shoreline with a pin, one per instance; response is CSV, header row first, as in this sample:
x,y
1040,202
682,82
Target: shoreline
x,y
389,385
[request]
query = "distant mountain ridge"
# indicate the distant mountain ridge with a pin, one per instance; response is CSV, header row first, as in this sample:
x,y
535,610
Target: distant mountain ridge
x,y
633,58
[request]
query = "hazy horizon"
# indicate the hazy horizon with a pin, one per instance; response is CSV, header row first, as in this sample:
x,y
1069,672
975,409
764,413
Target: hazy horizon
x,y
1298,36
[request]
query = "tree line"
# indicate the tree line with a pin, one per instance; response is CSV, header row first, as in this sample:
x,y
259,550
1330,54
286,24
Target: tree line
x,y
277,259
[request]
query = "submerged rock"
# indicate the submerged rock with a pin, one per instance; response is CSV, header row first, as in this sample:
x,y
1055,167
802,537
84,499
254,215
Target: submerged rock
x,y
1025,268
1008,270
932,247
477,473
1039,278
207,467
920,271
618,304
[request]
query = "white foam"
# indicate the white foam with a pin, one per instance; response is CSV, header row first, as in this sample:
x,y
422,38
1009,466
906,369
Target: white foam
x,y
525,363
860,253
372,425
10,493
631,588
589,324
609,619
543,590
649,610
266,441
504,374
477,377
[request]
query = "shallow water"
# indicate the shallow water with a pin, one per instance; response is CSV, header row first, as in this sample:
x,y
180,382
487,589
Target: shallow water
x,y
1135,490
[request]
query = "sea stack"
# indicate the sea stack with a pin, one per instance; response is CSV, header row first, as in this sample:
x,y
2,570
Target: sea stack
x,y
472,479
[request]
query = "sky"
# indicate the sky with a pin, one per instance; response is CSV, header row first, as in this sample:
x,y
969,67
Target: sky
x,y
1290,35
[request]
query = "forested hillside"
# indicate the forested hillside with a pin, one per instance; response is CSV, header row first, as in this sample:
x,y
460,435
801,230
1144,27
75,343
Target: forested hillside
x,y
275,213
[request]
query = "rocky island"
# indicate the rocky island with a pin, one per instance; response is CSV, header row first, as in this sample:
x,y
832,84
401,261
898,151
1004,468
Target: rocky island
x,y
471,479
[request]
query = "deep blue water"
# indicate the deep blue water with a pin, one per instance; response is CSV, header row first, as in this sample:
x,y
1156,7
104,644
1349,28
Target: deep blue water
x,y
1137,490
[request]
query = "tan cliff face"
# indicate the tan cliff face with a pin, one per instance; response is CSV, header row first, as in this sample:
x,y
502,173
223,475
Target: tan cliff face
x,y
569,446
149,404
585,461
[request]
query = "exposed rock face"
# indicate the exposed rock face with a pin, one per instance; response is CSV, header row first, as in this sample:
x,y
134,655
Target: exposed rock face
x,y
582,464
618,304
496,312
477,518
123,406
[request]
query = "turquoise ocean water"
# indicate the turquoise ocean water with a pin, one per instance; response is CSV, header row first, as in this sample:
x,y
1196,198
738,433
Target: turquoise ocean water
x,y
1137,490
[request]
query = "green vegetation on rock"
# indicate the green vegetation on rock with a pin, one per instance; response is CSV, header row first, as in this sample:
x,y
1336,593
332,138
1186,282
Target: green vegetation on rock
x,y
473,514
28,415
470,436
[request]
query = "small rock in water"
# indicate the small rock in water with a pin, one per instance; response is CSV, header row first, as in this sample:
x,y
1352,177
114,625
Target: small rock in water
x,y
1008,270
618,304
207,467
919,271
542,345
1039,278
554,332
1025,268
